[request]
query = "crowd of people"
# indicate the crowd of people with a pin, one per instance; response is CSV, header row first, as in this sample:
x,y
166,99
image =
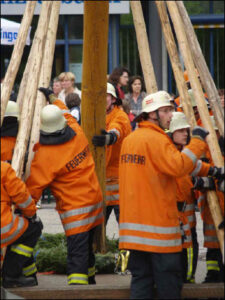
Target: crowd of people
x,y
157,173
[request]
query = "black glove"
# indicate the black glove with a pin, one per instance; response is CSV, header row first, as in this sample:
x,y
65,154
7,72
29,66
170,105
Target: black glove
x,y
200,132
216,172
49,95
220,184
201,183
106,138
36,219
221,225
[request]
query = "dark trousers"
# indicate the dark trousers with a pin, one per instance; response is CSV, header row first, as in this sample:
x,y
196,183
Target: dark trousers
x,y
109,209
80,257
215,267
195,249
13,262
160,269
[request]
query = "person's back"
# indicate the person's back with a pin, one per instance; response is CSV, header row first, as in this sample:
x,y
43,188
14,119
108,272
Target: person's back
x,y
73,103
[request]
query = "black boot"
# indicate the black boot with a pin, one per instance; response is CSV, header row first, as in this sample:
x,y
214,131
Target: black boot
x,y
22,281
213,276
91,280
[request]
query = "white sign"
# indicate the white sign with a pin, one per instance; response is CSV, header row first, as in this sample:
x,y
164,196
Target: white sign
x,y
9,32
68,7
76,69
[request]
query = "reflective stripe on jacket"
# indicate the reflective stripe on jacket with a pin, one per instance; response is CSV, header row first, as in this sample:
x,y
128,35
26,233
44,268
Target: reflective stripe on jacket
x,y
13,191
69,170
149,164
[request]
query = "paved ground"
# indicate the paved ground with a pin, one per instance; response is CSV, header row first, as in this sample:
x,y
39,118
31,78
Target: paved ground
x,y
52,224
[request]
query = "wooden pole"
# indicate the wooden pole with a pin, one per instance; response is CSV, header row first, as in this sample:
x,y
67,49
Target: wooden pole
x,y
16,56
175,61
45,76
93,112
31,88
203,111
143,47
206,78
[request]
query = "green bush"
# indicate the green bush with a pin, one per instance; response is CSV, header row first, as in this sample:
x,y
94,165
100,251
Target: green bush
x,y
51,254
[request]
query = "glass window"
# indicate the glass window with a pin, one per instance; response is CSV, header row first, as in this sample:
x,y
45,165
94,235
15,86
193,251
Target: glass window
x,y
75,62
126,19
75,27
60,30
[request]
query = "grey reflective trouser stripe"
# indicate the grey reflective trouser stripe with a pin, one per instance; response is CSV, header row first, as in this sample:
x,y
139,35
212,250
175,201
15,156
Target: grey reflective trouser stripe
x,y
149,242
80,211
83,222
11,237
8,227
26,203
190,154
150,228
210,238
112,197
112,187
30,270
191,218
209,227
189,207
197,168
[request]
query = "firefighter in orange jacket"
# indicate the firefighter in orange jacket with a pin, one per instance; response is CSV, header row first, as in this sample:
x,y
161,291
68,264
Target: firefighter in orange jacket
x,y
19,232
9,130
117,128
63,162
149,219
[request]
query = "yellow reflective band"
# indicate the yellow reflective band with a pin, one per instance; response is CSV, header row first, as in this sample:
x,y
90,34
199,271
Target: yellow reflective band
x,y
31,269
77,275
77,281
190,263
91,272
22,250
77,278
212,265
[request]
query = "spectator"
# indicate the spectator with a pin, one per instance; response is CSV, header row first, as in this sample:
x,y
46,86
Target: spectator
x,y
73,103
119,79
68,84
57,87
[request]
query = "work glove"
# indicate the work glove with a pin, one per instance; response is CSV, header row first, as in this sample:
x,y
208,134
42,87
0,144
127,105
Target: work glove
x,y
221,225
203,183
199,132
36,219
49,95
106,138
216,172
220,184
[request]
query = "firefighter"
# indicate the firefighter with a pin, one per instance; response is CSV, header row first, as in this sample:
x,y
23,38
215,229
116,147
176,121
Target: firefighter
x,y
149,219
63,162
9,130
214,264
117,128
19,233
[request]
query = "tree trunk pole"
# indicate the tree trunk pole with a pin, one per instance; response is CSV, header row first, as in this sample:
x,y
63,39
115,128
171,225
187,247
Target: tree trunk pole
x,y
143,47
16,56
93,112
45,76
175,61
31,88
206,78
203,111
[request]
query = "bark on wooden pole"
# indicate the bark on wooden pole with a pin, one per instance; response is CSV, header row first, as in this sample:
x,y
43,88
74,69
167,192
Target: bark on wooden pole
x,y
93,112
16,56
175,61
206,78
143,47
203,111
45,77
31,88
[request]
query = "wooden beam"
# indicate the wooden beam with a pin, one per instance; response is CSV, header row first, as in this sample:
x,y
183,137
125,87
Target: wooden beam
x,y
206,78
175,61
143,47
93,112
203,111
45,77
17,53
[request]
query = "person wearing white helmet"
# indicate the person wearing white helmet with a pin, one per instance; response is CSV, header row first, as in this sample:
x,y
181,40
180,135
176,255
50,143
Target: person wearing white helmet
x,y
9,130
117,128
149,220
63,162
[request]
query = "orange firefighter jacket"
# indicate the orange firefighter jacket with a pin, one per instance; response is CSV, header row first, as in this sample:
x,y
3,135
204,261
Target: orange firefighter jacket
x,y
117,121
13,191
149,164
7,147
69,170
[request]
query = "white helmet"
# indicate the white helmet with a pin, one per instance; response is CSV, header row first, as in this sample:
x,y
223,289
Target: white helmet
x,y
111,90
213,122
52,119
193,102
178,121
12,110
154,101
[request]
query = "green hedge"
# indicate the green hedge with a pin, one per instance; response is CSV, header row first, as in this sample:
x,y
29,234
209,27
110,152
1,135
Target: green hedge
x,y
51,254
